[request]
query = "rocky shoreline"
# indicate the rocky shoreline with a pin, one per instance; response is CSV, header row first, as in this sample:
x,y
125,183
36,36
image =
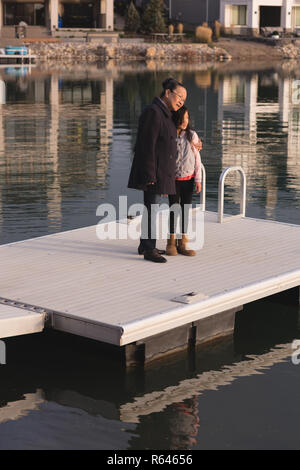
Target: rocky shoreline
x,y
74,52
290,51
93,52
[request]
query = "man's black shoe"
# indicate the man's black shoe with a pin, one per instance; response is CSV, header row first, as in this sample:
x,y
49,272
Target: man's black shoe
x,y
141,251
154,256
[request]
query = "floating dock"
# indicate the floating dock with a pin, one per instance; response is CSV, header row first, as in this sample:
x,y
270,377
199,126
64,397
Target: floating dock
x,y
102,289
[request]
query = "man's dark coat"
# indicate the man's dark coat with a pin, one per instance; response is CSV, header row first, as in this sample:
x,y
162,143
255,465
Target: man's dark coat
x,y
155,151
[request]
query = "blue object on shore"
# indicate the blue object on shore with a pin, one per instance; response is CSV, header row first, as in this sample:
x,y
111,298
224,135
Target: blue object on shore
x,y
16,72
16,50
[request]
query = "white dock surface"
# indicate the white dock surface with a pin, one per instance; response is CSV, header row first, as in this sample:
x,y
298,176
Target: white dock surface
x,y
17,321
106,291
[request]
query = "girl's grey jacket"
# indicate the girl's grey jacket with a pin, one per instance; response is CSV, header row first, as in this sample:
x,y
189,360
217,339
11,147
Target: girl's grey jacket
x,y
188,161
155,151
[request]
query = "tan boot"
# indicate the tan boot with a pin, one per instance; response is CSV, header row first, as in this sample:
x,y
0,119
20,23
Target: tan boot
x,y
171,249
182,246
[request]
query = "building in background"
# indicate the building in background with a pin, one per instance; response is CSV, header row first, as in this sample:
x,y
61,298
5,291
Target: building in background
x,y
44,16
249,16
238,16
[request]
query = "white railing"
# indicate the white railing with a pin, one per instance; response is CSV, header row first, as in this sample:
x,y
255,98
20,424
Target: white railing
x,y
242,213
203,188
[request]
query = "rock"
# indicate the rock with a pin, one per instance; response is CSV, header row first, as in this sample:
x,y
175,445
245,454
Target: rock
x,y
151,65
150,52
110,51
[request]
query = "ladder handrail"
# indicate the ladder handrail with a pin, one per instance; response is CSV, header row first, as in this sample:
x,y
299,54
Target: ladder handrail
x,y
203,188
221,193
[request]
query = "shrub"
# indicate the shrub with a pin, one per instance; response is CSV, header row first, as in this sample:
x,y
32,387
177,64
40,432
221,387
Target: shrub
x,y
217,29
180,28
153,20
132,19
203,34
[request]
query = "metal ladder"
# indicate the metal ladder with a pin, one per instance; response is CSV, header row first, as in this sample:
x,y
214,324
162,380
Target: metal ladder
x,y
203,189
242,213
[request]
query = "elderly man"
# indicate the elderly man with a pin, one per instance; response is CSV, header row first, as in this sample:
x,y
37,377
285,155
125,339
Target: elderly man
x,y
153,166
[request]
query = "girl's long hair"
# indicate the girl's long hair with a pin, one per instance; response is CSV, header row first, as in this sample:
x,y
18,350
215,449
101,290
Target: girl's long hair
x,y
178,117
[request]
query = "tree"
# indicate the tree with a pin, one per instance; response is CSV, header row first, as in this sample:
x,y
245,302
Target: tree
x,y
153,20
132,19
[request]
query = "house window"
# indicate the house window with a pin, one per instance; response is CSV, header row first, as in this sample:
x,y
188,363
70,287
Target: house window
x,y
32,13
297,16
239,15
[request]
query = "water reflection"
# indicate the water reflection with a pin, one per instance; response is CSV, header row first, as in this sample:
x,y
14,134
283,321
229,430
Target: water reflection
x,y
65,145
55,136
73,396
246,118
259,119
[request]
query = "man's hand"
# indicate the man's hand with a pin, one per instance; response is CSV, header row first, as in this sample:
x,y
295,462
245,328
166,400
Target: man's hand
x,y
198,145
198,187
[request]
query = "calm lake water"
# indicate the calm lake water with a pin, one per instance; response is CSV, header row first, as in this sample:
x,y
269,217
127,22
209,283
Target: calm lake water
x,y
66,142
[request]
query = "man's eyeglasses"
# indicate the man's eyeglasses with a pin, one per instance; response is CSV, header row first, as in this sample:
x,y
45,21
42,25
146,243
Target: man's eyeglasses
x,y
180,97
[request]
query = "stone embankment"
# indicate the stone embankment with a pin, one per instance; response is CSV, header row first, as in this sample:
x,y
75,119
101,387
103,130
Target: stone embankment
x,y
290,51
92,52
189,53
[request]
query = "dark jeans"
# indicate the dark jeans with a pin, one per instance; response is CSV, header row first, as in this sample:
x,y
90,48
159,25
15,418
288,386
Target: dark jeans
x,y
183,197
148,239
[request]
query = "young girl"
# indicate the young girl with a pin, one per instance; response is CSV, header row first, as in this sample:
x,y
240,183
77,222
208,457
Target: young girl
x,y
188,174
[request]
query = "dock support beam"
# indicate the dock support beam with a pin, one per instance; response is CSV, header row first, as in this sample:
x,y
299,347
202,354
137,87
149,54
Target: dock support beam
x,y
185,337
217,326
287,297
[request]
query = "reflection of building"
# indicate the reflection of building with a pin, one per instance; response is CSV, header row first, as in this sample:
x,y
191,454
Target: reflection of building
x,y
58,144
244,108
238,126
293,136
47,15
240,16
